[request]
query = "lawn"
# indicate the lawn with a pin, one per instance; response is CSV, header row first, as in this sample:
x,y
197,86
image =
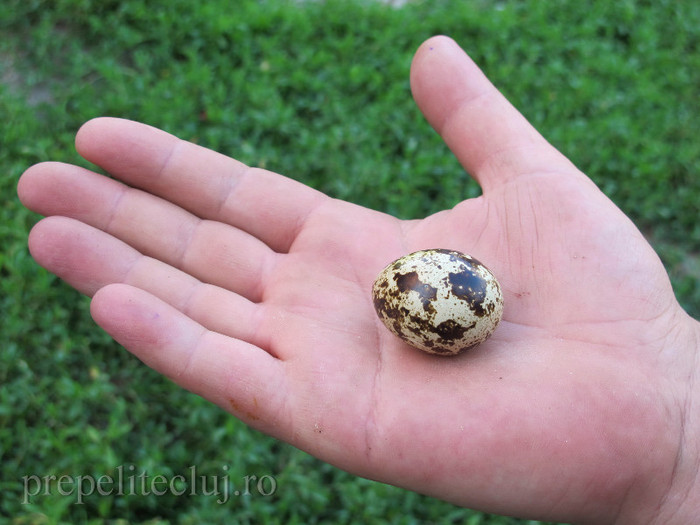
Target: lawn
x,y
318,91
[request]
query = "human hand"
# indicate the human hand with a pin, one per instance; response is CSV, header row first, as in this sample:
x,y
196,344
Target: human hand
x,y
254,291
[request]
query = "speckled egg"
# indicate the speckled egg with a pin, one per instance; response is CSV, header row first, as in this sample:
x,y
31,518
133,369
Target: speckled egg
x,y
439,301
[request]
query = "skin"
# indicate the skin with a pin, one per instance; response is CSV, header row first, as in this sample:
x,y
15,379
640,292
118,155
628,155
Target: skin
x,y
253,291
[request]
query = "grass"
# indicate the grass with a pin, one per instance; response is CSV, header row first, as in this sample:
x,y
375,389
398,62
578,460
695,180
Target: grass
x,y
318,91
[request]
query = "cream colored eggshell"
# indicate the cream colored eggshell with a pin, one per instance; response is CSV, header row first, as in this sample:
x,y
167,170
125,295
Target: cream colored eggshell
x,y
439,301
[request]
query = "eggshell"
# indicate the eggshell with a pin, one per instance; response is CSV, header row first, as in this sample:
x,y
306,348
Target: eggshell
x,y
439,301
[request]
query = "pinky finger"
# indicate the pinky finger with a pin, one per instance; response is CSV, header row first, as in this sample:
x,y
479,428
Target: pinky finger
x,y
237,376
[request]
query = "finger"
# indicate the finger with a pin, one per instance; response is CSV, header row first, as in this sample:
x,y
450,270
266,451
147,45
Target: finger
x,y
89,259
208,184
489,137
235,375
211,251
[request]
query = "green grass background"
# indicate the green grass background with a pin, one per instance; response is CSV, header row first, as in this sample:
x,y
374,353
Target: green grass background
x,y
318,91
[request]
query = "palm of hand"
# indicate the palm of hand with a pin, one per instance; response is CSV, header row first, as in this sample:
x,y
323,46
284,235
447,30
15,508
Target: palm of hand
x,y
557,387
553,411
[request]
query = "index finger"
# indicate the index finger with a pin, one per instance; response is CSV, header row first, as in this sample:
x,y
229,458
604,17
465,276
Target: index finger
x,y
208,184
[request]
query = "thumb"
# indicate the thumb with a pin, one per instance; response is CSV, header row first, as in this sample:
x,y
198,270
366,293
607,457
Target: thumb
x,y
489,137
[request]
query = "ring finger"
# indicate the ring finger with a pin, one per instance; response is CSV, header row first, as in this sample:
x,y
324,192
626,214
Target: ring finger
x,y
89,259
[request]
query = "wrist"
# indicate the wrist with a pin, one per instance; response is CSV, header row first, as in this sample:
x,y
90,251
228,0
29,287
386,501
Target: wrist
x,y
677,490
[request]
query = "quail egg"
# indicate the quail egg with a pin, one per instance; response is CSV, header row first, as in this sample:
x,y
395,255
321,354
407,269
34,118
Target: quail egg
x,y
439,301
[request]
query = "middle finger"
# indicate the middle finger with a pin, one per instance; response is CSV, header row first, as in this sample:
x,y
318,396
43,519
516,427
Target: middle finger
x,y
210,251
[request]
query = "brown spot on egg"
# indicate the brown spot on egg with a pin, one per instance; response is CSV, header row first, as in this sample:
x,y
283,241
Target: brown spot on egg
x,y
410,282
470,287
450,330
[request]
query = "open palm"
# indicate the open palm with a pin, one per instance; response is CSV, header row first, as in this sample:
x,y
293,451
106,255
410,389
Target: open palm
x,y
255,292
